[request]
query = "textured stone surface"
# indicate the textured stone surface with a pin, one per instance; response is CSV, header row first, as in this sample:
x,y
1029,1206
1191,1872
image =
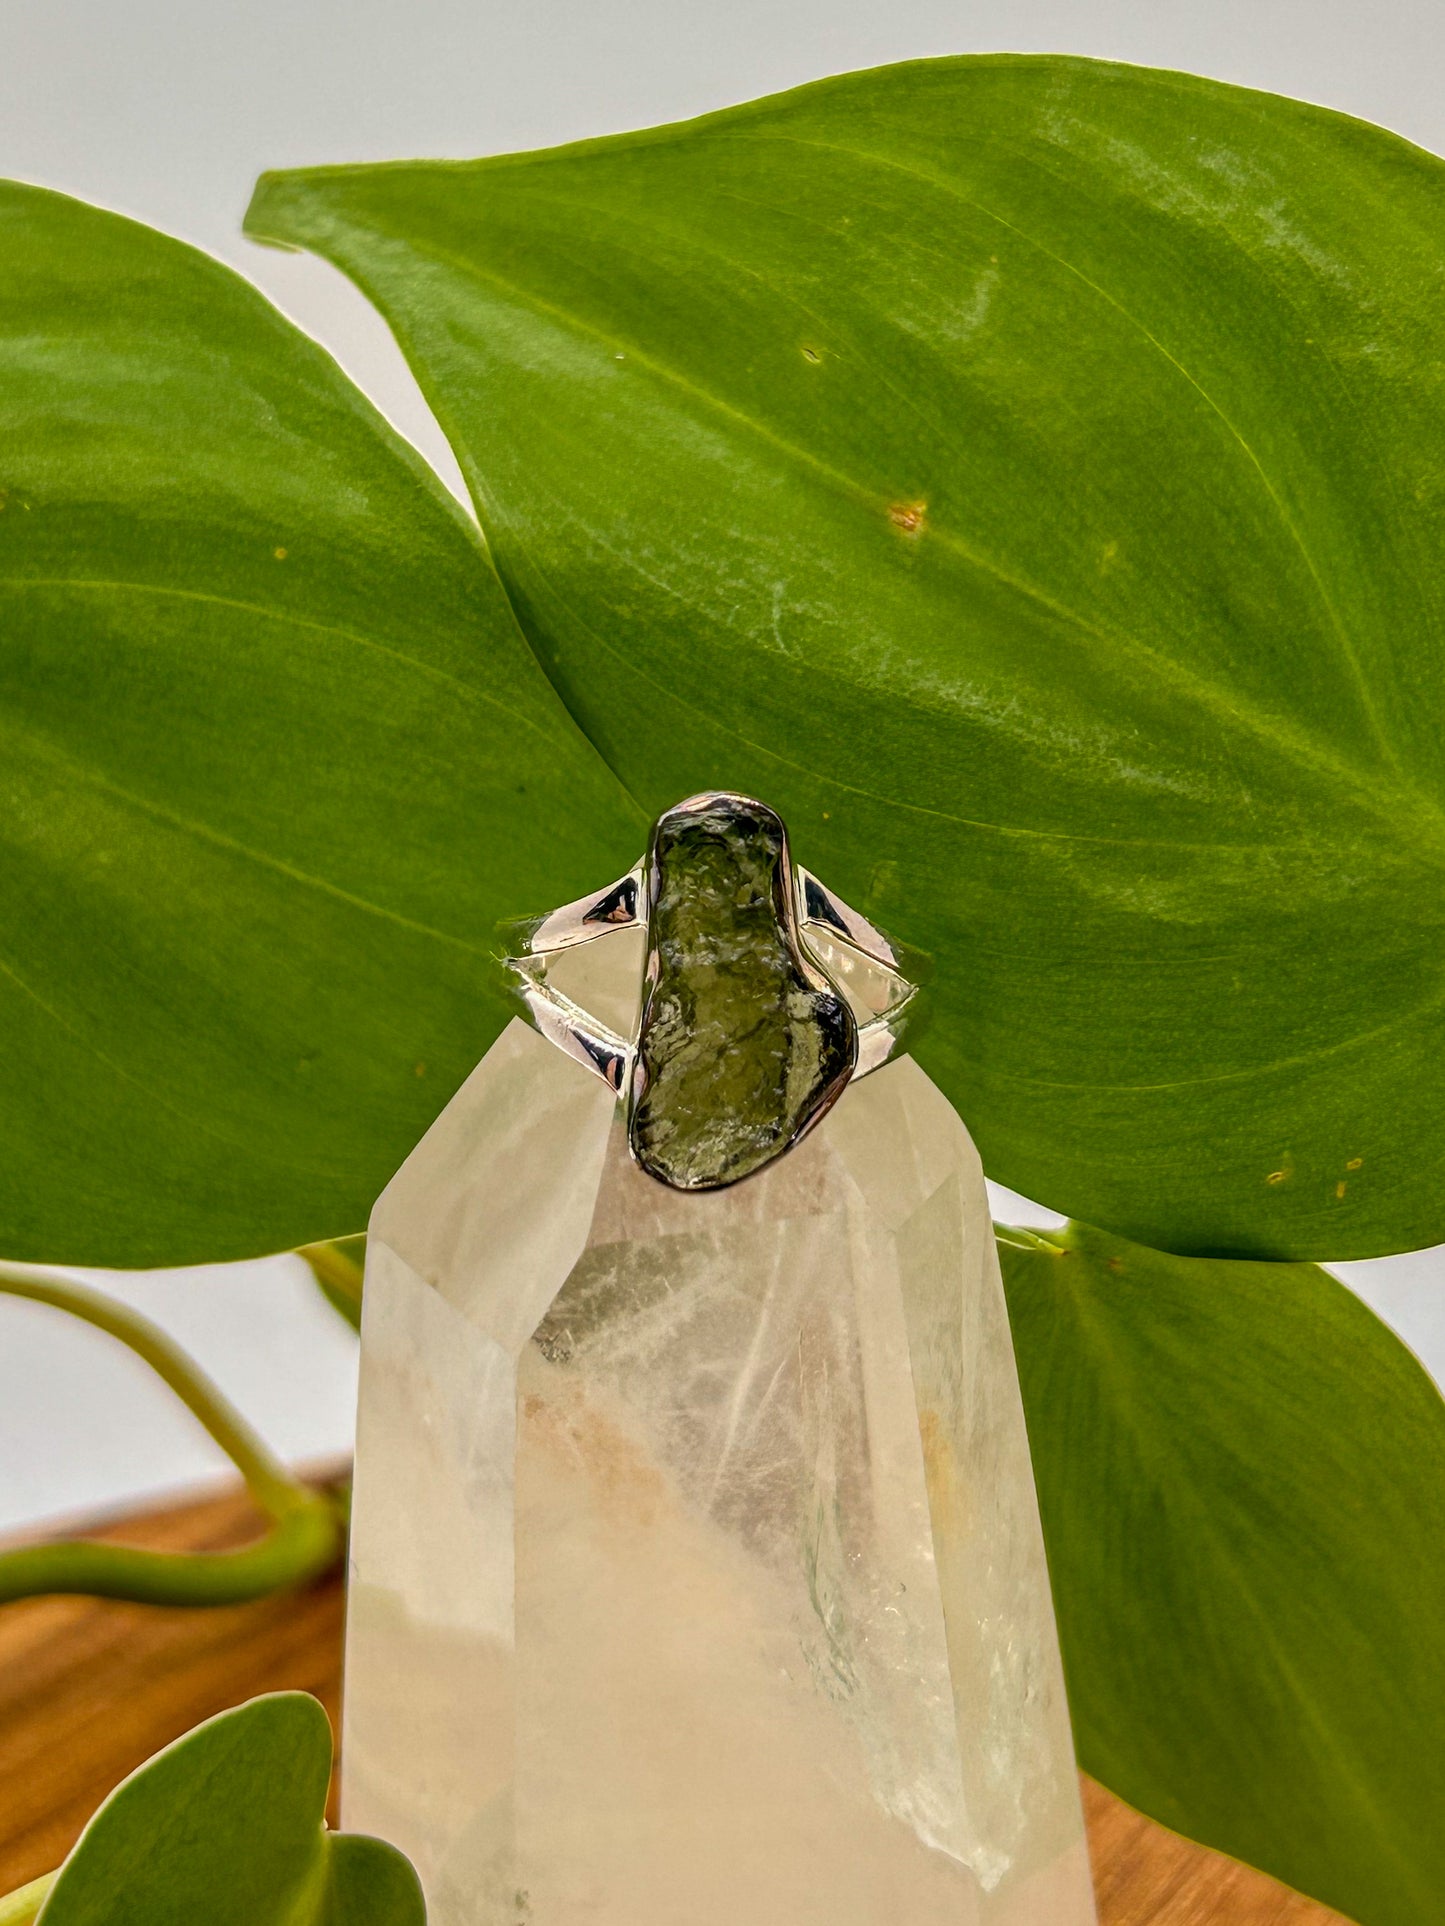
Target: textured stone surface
x,y
740,1047
697,1576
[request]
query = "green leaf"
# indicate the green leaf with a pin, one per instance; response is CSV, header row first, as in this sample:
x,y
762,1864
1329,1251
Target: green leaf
x,y
369,1883
1239,1469
273,760
1024,472
226,1826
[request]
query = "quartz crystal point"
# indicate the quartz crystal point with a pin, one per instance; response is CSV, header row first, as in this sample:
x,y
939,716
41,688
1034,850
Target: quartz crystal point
x,y
696,1568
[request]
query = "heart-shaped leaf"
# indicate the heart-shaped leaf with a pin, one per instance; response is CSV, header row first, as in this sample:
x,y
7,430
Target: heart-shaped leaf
x,y
274,759
1239,1470
1026,474
226,1826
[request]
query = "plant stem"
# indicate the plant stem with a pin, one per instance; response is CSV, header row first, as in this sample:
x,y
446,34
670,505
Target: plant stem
x,y
296,1549
20,1907
306,1531
268,1478
338,1274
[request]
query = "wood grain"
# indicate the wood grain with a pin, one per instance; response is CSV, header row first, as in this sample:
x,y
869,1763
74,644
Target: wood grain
x,y
89,1689
1146,1876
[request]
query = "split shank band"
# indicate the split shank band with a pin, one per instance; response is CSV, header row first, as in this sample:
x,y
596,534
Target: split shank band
x,y
746,953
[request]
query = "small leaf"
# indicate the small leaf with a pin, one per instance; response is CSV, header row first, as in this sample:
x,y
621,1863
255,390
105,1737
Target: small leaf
x,y
274,759
226,1826
1239,1469
369,1883
1025,473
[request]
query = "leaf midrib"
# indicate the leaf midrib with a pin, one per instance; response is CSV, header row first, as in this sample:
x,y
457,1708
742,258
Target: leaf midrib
x,y
46,752
699,240
201,1122
1286,521
1387,802
271,613
834,781
1304,1060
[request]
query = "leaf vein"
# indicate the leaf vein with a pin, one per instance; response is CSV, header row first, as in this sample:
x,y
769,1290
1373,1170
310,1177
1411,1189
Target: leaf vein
x,y
1229,707
204,832
286,616
1286,520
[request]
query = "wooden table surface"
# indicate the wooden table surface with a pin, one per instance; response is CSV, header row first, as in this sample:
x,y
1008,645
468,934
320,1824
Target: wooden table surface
x,y
89,1689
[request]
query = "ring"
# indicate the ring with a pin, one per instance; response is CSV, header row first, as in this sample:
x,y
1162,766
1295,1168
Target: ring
x,y
763,994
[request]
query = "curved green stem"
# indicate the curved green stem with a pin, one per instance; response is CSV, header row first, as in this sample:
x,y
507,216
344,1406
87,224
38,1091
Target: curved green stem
x,y
265,1474
306,1531
296,1548
20,1907
339,1274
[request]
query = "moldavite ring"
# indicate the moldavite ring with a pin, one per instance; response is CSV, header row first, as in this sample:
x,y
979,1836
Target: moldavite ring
x,y
763,994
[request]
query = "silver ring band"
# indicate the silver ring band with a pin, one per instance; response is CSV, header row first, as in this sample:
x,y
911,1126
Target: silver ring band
x,y
833,944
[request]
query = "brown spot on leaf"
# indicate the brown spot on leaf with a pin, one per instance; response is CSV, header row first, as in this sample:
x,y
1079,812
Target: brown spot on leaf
x,y
909,516
1354,1163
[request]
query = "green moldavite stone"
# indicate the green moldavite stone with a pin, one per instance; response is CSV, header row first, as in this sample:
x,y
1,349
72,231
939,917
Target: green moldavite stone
x,y
743,1043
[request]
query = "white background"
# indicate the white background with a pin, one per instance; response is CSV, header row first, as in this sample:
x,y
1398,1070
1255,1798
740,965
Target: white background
x,y
168,109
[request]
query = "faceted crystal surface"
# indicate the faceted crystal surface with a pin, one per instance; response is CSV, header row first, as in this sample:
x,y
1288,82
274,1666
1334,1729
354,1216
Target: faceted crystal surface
x,y
697,1577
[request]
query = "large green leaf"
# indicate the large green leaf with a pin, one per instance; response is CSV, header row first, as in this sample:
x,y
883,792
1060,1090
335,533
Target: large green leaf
x,y
1240,1469
1026,473
273,760
225,1826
